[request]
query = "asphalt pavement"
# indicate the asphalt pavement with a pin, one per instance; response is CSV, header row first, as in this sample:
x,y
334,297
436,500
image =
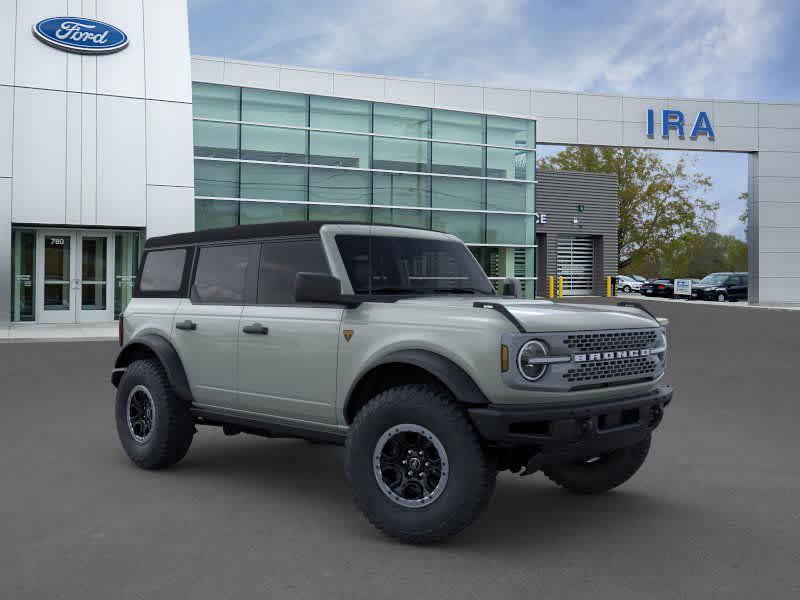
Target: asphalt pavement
x,y
714,513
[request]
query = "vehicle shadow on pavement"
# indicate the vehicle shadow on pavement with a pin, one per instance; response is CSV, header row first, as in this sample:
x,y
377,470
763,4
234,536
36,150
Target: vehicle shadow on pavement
x,y
526,512
523,513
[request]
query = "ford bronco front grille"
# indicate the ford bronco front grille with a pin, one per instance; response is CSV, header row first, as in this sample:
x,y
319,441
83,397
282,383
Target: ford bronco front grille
x,y
602,370
610,340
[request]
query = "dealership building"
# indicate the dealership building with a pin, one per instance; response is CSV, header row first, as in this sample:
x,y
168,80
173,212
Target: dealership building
x,y
111,132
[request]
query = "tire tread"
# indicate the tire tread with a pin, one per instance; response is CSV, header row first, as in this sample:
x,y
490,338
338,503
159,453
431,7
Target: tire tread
x,y
457,421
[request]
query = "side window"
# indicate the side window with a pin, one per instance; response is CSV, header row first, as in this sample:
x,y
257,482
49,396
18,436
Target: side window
x,y
221,274
281,262
162,271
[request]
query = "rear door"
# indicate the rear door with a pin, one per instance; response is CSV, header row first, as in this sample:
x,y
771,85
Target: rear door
x,y
288,352
205,329
739,287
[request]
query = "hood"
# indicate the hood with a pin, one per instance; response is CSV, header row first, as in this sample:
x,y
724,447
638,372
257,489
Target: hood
x,y
546,316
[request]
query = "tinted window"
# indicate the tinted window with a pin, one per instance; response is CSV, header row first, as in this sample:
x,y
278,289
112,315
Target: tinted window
x,y
221,274
163,271
393,265
280,264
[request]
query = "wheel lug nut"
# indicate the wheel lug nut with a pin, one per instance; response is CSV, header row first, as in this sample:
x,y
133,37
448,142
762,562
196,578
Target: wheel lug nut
x,y
409,473
404,461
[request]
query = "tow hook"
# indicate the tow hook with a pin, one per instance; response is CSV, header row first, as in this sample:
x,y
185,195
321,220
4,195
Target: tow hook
x,y
656,415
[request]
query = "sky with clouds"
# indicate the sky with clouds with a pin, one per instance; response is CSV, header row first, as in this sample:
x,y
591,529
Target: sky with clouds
x,y
739,49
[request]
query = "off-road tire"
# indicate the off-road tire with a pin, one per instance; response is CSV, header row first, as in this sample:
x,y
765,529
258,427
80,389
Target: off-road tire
x,y
173,427
471,476
603,474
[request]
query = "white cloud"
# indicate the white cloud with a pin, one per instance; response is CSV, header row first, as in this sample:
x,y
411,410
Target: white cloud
x,y
687,47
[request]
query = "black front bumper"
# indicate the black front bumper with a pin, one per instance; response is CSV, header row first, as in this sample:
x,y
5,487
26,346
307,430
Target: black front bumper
x,y
558,433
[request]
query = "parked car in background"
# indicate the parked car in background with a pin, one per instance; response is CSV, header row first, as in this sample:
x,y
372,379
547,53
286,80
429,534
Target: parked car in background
x,y
662,288
628,284
721,287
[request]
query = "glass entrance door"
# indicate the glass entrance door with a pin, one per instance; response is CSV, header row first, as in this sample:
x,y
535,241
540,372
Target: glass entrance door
x,y
55,273
73,271
94,300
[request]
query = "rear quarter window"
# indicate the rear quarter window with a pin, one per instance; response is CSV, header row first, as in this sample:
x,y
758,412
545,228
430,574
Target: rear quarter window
x,y
163,272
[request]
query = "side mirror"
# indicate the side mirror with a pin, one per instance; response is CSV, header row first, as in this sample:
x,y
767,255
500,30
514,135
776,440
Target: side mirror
x,y
512,287
320,287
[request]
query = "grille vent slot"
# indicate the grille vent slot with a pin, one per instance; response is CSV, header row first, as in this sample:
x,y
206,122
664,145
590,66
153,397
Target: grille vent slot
x,y
602,370
610,340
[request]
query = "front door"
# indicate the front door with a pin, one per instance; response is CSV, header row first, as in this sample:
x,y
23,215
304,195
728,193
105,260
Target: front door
x,y
288,352
74,270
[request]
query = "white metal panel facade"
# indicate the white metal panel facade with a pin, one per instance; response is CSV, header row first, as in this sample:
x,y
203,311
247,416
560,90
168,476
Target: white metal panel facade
x,y
73,127
40,156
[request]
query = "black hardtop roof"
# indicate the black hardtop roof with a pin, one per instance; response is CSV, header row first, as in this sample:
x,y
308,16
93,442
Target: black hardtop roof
x,y
247,232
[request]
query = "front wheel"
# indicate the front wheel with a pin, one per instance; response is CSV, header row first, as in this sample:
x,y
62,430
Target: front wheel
x,y
154,426
721,297
601,473
416,465
626,289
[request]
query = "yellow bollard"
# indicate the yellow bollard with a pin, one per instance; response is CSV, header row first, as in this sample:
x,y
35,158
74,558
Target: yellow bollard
x,y
551,287
561,287
608,286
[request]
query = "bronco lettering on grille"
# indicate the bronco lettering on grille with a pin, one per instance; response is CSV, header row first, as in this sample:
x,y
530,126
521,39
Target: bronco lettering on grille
x,y
610,355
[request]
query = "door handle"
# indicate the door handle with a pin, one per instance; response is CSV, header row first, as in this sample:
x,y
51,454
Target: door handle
x,y
256,328
186,325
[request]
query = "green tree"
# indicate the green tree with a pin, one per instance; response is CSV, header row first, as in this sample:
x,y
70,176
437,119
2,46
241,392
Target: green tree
x,y
696,255
659,202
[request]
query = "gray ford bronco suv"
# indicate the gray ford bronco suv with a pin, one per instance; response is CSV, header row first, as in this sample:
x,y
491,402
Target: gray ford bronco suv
x,y
393,342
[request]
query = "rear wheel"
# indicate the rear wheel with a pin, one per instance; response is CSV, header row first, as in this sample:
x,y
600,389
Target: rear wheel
x,y
416,465
154,426
601,473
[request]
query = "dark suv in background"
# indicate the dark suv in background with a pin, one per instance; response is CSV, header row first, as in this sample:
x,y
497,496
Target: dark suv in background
x,y
721,287
662,288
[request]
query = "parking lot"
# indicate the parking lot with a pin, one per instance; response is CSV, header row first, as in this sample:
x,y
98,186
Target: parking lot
x,y
713,513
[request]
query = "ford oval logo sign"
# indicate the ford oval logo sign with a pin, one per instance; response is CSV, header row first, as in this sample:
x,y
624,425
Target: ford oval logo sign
x,y
84,36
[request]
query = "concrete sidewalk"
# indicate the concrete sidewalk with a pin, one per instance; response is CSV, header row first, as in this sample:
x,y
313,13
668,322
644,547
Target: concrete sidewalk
x,y
35,332
738,304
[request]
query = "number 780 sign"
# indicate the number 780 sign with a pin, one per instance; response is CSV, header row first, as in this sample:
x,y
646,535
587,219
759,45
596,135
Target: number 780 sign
x,y
675,120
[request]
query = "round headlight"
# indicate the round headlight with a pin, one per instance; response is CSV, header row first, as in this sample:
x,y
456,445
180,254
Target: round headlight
x,y
526,360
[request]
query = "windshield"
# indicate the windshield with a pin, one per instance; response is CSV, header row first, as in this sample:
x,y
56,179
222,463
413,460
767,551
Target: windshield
x,y
714,279
395,265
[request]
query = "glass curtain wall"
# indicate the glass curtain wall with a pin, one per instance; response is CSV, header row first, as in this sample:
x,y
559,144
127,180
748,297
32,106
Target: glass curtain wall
x,y
265,156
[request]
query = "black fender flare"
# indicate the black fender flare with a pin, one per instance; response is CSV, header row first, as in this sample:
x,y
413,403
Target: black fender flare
x,y
166,354
452,376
